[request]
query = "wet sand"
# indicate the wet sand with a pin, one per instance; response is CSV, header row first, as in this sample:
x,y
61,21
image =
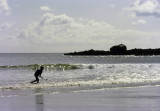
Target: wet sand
x,y
120,99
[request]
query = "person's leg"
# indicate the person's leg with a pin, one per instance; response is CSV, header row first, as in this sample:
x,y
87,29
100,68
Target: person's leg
x,y
33,81
37,79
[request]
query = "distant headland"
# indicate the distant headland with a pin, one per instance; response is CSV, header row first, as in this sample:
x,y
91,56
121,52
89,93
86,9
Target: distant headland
x,y
120,49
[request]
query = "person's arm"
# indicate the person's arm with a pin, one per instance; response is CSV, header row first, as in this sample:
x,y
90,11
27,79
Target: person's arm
x,y
40,76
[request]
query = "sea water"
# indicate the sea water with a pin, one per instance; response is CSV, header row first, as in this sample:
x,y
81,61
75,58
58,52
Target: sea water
x,y
75,73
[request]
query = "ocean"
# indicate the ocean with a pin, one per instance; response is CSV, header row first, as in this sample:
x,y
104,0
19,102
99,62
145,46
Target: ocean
x,y
74,73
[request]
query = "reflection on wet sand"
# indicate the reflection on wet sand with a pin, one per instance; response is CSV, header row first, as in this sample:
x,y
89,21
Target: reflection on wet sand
x,y
39,99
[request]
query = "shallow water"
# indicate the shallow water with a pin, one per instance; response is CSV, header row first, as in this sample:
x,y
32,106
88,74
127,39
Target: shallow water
x,y
75,73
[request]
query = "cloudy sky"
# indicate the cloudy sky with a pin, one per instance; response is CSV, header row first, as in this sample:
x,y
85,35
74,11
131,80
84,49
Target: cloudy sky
x,y
41,26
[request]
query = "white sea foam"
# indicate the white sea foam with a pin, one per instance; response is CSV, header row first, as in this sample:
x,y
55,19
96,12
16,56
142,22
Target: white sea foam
x,y
74,73
92,76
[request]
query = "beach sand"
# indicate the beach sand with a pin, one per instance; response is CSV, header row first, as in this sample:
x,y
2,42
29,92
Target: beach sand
x,y
120,99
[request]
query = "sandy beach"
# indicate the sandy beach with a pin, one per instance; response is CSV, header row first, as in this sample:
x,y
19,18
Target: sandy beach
x,y
120,99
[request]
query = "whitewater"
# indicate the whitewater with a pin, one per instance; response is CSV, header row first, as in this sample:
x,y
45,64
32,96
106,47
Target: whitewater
x,y
76,73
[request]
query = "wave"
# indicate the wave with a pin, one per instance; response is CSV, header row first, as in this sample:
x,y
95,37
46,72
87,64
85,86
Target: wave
x,y
79,66
89,77
60,87
46,66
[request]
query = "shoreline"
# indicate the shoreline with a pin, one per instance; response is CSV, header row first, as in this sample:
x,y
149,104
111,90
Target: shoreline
x,y
115,99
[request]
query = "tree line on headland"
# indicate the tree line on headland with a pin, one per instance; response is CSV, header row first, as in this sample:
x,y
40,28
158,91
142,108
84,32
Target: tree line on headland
x,y
120,49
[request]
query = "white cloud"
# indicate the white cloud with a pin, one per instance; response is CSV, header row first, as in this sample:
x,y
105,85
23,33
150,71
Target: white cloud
x,y
5,26
45,8
141,21
62,28
4,7
112,5
145,8
64,31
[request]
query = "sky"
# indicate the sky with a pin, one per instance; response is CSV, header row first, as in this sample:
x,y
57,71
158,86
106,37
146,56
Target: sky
x,y
57,26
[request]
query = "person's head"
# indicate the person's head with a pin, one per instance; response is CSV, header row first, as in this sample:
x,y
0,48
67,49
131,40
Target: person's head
x,y
41,67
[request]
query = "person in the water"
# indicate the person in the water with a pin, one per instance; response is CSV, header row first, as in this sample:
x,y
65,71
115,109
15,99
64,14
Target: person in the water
x,y
38,74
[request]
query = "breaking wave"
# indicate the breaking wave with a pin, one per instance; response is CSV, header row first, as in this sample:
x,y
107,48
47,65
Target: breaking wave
x,y
77,77
46,66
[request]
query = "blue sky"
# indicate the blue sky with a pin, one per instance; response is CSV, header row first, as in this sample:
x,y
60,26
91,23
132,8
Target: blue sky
x,y
41,26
